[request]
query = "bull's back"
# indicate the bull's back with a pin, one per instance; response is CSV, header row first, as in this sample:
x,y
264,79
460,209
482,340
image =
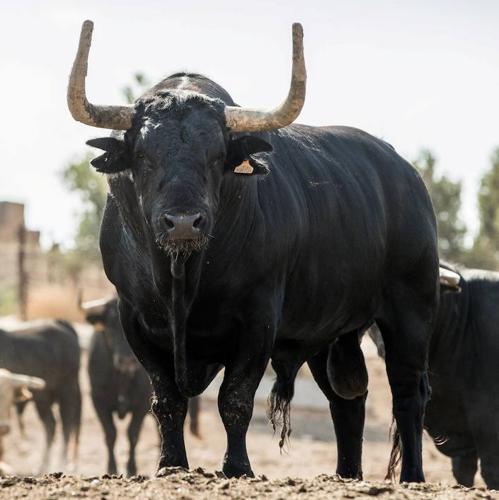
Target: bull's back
x,y
49,350
349,214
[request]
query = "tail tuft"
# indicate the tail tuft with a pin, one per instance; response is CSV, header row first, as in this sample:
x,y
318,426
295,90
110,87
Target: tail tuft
x,y
279,412
395,454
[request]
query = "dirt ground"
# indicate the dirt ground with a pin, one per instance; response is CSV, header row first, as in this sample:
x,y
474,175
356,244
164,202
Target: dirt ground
x,y
311,454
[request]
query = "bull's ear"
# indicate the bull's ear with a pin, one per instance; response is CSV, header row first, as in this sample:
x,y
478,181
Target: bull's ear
x,y
115,158
239,155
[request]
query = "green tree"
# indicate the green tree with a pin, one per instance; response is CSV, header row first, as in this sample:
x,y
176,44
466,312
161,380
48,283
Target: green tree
x,y
446,198
92,190
140,82
485,250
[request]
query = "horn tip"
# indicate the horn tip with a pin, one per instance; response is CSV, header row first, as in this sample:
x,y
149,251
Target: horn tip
x,y
87,25
297,29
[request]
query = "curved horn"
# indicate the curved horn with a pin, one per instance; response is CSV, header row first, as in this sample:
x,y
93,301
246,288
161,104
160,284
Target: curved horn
x,y
94,306
254,120
449,278
112,117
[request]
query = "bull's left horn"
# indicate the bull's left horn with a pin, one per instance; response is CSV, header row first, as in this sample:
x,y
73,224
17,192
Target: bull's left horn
x,y
254,120
111,117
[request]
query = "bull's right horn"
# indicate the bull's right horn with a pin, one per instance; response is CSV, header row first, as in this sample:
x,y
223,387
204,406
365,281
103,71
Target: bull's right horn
x,y
111,117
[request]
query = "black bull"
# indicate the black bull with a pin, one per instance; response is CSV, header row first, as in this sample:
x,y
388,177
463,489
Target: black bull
x,y
340,233
464,375
461,416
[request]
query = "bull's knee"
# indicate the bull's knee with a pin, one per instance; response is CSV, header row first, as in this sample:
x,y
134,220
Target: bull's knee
x,y
346,367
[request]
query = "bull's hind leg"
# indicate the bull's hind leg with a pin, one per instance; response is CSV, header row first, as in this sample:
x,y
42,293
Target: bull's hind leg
x,y
348,419
133,432
406,325
43,407
69,409
105,416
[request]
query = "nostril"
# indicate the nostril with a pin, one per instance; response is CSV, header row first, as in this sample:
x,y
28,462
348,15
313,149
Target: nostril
x,y
197,221
168,222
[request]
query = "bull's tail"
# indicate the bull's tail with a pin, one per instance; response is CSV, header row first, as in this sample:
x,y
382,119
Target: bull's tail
x,y
396,453
279,408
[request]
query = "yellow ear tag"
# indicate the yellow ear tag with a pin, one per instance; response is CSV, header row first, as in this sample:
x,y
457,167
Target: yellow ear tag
x,y
244,168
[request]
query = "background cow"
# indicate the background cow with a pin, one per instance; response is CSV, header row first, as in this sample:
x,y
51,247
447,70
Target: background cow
x,y
119,384
461,416
14,388
48,350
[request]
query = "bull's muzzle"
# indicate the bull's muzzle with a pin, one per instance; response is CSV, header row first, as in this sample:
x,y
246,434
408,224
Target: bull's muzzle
x,y
182,227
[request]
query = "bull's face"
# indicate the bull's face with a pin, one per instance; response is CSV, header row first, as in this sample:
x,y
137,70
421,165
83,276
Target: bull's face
x,y
177,154
177,146
106,321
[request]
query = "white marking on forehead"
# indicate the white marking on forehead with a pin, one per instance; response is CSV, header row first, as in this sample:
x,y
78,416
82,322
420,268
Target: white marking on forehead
x,y
183,83
149,125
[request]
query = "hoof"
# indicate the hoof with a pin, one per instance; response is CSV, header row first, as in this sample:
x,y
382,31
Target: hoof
x,y
234,470
168,471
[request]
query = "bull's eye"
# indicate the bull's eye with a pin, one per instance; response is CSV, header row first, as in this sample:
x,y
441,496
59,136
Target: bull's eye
x,y
140,155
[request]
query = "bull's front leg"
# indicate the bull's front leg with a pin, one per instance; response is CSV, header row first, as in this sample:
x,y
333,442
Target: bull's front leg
x,y
236,397
170,409
169,405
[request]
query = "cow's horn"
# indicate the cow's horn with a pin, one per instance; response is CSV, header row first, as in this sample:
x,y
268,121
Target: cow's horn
x,y
254,120
112,117
449,278
94,306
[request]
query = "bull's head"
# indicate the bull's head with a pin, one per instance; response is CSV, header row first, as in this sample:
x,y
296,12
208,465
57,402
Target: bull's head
x,y
104,316
178,146
15,388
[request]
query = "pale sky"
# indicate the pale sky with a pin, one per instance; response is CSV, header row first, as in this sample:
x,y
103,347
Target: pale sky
x,y
417,73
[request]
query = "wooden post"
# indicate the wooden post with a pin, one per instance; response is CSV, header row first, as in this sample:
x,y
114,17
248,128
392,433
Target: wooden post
x,y
22,275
